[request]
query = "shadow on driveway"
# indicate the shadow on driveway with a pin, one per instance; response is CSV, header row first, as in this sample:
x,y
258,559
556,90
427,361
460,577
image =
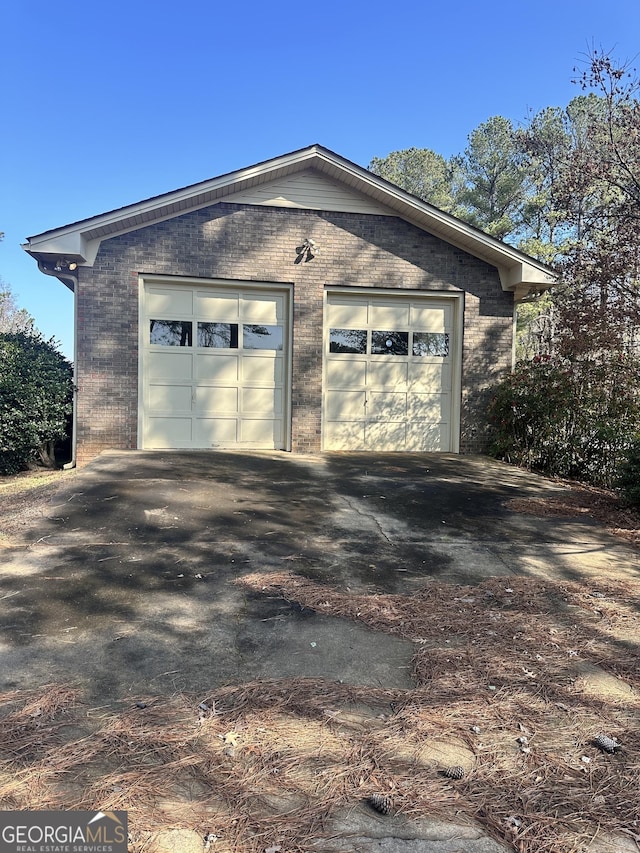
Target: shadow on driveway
x,y
127,586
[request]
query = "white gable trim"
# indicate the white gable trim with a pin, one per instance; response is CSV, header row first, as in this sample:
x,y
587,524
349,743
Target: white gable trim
x,y
310,190
79,242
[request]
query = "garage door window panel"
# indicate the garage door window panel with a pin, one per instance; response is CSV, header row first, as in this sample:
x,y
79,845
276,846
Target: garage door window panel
x,y
255,336
170,333
218,335
430,344
389,343
348,340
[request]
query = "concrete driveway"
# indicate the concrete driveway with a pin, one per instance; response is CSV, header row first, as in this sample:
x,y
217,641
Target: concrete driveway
x,y
126,585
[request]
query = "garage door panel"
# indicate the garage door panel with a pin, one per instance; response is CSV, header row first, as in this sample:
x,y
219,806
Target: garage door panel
x,y
218,367
385,436
169,300
426,436
260,432
382,373
267,401
265,368
429,377
345,405
212,398
346,371
217,307
431,407
346,435
387,406
389,316
267,309
428,319
170,398
216,432
348,313
169,432
169,364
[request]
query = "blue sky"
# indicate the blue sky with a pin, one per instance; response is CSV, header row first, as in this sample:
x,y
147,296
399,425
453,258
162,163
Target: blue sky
x,y
108,104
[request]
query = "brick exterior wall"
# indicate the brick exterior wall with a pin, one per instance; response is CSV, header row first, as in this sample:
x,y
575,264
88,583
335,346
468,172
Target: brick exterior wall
x,y
250,243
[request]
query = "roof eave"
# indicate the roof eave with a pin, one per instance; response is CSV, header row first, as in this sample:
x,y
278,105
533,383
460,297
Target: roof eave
x,y
80,241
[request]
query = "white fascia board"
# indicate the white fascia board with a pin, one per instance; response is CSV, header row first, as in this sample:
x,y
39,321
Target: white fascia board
x,y
524,278
58,243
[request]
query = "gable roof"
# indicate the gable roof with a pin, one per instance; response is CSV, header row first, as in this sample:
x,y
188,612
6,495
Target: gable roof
x,y
78,243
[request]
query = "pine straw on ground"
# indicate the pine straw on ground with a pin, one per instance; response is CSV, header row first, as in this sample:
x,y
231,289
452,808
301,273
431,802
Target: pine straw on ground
x,y
604,505
274,762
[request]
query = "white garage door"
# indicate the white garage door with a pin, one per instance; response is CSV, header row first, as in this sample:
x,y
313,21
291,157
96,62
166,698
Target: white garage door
x,y
389,373
214,366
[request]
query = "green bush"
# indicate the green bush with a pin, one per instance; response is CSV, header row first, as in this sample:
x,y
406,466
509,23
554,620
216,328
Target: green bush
x,y
573,419
629,479
36,393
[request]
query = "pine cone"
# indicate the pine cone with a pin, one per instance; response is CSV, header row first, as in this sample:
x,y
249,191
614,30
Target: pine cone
x,y
455,772
606,743
380,803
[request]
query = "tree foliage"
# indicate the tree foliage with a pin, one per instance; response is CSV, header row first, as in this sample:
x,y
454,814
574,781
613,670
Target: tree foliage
x,y
629,477
36,390
571,418
13,318
493,188
565,188
422,173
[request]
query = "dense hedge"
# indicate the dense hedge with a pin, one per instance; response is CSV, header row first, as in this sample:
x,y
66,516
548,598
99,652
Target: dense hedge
x,y
629,479
575,419
36,394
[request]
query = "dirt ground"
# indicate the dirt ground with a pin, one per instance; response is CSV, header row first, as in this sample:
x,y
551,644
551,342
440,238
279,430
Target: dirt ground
x,y
516,678
23,498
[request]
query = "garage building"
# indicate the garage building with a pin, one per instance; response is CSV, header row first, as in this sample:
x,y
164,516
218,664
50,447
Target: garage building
x,y
300,304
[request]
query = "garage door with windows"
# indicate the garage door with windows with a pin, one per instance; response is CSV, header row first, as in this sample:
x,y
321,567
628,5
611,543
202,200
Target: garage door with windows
x,y
214,366
391,373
